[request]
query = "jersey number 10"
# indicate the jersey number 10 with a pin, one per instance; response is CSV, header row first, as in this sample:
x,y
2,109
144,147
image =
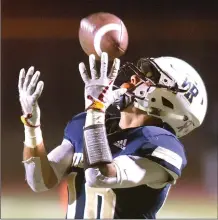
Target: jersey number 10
x,y
99,202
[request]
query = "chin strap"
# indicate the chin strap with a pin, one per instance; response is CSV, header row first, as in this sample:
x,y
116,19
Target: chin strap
x,y
123,102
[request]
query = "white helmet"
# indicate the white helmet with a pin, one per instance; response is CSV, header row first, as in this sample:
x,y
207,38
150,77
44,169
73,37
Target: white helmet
x,y
177,96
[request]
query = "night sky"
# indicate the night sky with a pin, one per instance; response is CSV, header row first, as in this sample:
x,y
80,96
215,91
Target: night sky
x,y
45,34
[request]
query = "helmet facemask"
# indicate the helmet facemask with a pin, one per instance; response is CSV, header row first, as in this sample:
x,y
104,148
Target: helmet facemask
x,y
149,72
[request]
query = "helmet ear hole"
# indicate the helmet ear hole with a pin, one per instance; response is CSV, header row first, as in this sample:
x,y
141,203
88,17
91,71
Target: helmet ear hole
x,y
167,103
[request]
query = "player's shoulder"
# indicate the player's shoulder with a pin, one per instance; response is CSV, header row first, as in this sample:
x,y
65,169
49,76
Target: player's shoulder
x,y
164,148
160,146
156,136
154,130
159,135
78,118
73,130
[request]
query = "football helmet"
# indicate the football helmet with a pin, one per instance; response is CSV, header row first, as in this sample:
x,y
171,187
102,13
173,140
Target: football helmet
x,y
176,93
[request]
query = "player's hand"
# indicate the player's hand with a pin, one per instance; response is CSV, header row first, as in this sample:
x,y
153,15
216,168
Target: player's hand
x,y
29,92
99,93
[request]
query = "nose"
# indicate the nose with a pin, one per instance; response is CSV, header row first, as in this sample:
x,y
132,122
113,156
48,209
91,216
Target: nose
x,y
134,79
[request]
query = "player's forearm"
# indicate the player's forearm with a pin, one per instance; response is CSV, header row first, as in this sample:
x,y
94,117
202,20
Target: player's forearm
x,y
36,162
96,118
33,143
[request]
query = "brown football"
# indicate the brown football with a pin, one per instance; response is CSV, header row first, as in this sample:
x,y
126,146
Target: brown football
x,y
103,32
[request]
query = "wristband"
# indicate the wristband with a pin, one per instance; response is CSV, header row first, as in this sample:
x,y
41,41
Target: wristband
x,y
25,122
33,136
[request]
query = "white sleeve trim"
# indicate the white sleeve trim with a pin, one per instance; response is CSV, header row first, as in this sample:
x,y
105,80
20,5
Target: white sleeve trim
x,y
169,156
34,174
61,158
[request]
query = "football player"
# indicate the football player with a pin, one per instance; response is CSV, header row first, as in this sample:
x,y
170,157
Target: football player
x,y
117,167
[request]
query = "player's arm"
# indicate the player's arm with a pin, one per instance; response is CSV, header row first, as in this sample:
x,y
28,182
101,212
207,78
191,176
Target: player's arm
x,y
42,172
127,171
101,170
99,94
40,175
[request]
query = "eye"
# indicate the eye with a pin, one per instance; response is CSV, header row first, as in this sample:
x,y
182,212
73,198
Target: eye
x,y
142,92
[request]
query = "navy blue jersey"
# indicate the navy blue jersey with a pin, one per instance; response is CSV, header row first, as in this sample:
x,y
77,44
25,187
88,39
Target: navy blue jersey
x,y
154,143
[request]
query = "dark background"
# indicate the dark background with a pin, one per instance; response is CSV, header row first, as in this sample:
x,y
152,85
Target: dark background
x,y
45,34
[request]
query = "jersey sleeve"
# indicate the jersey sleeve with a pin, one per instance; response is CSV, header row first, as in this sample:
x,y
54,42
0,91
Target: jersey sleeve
x,y
73,132
166,150
60,158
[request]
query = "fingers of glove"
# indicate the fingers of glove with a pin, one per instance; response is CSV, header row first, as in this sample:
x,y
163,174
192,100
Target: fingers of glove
x,y
104,65
28,78
92,65
38,91
33,82
115,68
83,72
21,79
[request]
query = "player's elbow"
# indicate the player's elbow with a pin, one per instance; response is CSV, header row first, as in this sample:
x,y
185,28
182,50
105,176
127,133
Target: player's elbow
x,y
92,183
37,187
39,184
91,180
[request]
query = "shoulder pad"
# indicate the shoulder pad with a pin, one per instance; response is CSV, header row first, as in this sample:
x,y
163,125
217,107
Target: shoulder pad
x,y
164,148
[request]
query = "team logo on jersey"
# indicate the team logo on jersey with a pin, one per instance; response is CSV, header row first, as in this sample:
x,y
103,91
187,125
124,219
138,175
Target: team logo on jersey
x,y
121,144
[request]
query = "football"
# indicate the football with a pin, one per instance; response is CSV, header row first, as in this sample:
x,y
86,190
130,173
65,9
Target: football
x,y
103,32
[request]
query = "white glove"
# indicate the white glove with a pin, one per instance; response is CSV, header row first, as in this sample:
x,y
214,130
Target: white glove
x,y
29,92
98,89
